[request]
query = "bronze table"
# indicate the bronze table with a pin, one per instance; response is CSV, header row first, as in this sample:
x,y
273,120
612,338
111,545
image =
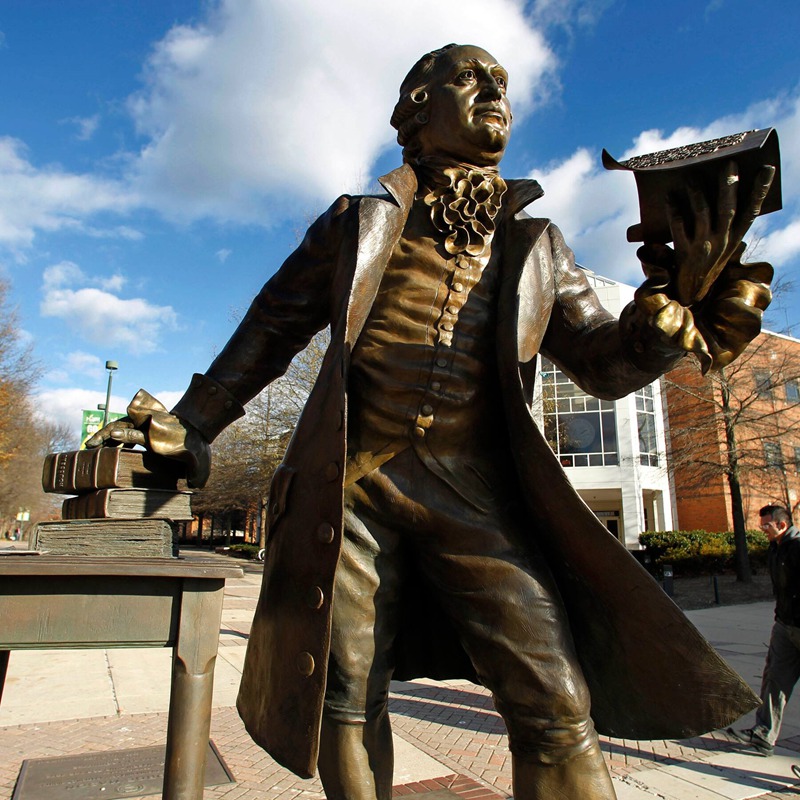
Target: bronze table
x,y
67,602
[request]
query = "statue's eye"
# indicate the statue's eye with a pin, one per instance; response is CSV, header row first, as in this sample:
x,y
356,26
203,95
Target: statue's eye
x,y
501,81
467,75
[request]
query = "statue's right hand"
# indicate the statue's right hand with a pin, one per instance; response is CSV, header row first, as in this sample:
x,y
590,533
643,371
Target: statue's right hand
x,y
148,423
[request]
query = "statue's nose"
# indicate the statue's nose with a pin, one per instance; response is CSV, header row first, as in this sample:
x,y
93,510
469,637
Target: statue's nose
x,y
490,90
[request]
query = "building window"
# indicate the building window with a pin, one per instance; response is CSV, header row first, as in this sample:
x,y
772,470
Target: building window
x,y
646,422
772,455
792,391
763,384
581,429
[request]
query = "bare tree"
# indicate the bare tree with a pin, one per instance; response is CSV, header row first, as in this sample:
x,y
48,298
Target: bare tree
x,y
736,424
24,438
247,453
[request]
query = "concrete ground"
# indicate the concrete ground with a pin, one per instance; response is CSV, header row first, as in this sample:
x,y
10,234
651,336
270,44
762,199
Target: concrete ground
x,y
70,702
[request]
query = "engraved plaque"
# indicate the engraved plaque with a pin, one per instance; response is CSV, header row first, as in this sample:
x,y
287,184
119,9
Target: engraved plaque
x,y
107,775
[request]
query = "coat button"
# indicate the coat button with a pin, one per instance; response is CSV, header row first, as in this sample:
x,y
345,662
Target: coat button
x,y
305,664
436,386
315,597
419,432
332,471
427,410
441,362
325,533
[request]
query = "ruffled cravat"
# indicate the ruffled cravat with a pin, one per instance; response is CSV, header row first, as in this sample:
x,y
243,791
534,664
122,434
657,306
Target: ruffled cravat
x,y
464,202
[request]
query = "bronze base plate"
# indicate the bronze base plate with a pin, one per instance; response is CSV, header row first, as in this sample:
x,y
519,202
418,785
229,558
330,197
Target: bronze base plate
x,y
106,775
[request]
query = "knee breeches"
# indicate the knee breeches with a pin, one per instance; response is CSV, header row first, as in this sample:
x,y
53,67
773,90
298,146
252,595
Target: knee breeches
x,y
492,587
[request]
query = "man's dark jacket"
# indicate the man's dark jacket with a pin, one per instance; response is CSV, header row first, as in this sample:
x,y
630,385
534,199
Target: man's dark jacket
x,y
783,558
650,672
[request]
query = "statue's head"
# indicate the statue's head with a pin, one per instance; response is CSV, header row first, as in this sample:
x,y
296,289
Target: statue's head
x,y
453,103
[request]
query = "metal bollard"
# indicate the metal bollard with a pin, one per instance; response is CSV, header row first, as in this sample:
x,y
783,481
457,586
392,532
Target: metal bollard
x,y
669,585
716,590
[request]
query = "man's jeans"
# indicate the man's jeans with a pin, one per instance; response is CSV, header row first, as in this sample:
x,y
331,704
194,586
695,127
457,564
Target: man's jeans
x,y
781,672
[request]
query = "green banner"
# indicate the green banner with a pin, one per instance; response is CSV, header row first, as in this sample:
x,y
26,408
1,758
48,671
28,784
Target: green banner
x,y
92,422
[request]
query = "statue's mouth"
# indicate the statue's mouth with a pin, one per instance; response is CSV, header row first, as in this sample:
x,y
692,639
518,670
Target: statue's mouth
x,y
494,116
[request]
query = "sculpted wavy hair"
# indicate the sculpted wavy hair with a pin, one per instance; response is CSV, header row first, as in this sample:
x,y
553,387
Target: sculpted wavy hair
x,y
410,113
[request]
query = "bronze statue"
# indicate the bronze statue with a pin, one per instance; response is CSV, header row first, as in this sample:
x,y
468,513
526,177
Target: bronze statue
x,y
419,524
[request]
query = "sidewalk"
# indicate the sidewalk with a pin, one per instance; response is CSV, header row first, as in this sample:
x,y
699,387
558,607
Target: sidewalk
x,y
70,702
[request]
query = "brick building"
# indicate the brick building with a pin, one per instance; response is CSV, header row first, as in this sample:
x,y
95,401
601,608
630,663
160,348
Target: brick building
x,y
758,396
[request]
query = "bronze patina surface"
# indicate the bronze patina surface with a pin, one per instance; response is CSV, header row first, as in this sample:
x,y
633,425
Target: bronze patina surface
x,y
106,775
419,524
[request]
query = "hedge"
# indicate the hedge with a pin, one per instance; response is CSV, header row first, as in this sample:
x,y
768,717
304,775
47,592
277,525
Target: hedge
x,y
701,552
245,550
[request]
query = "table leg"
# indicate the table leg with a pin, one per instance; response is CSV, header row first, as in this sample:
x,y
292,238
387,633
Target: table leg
x,y
192,683
3,670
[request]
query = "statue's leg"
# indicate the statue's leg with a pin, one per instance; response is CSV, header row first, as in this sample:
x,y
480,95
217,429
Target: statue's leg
x,y
583,776
356,757
506,609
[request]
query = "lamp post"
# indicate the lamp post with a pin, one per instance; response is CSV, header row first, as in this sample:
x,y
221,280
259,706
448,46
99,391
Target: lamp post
x,y
111,366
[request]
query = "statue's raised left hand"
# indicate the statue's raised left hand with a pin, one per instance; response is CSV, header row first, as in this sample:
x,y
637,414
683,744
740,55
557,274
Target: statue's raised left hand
x,y
705,243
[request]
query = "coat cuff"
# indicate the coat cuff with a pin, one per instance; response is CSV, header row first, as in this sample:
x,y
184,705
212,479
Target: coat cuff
x,y
645,346
208,406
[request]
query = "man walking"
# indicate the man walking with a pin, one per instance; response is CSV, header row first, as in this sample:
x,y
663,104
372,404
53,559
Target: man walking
x,y
782,668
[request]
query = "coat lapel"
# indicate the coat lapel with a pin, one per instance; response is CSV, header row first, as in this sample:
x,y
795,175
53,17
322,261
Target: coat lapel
x,y
380,223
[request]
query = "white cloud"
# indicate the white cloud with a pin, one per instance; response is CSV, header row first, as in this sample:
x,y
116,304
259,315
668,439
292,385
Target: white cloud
x,y
75,364
65,406
61,274
114,232
115,283
223,254
97,314
783,244
594,207
269,99
568,14
49,198
169,399
87,126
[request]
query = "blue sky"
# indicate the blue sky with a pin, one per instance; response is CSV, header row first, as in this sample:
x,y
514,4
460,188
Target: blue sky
x,y
158,160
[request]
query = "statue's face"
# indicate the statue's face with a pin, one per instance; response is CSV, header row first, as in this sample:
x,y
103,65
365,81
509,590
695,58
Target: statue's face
x,y
469,116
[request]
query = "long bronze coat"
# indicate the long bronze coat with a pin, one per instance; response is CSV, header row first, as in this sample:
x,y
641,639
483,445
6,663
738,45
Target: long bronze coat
x,y
650,673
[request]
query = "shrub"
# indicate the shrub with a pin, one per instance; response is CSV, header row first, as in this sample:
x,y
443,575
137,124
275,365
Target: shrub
x,y
244,550
701,552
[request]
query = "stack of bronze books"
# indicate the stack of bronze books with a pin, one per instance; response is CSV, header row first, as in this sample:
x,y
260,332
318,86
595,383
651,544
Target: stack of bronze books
x,y
126,503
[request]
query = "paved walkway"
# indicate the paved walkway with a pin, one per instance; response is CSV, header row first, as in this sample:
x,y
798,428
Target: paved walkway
x,y
65,703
